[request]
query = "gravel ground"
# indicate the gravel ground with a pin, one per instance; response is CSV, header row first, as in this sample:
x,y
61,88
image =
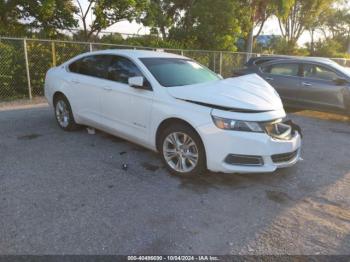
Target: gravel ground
x,y
66,193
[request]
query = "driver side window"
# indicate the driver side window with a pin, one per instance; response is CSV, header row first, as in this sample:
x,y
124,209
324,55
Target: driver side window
x,y
121,69
319,72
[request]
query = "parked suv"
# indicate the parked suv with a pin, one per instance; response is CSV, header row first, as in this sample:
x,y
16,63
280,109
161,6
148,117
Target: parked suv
x,y
306,83
173,105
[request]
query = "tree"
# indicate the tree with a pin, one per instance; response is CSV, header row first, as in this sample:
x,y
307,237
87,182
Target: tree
x,y
206,24
259,11
218,24
19,17
328,48
280,45
160,16
165,16
50,15
257,17
10,16
303,14
337,23
106,13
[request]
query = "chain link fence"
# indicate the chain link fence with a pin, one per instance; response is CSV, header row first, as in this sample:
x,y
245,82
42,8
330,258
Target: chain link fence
x,y
13,79
24,62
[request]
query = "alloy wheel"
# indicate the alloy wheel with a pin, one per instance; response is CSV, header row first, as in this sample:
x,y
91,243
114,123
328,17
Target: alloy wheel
x,y
62,113
180,152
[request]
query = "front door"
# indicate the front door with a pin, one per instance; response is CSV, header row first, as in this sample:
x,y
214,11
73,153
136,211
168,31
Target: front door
x,y
319,89
127,110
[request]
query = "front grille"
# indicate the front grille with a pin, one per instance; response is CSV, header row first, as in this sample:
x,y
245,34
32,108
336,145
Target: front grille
x,y
285,157
244,160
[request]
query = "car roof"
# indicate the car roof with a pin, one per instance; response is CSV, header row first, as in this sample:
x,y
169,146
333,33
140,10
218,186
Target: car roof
x,y
281,58
136,53
319,60
253,60
315,59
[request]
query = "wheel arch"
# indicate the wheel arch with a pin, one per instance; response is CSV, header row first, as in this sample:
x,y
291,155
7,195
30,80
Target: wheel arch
x,y
171,121
56,95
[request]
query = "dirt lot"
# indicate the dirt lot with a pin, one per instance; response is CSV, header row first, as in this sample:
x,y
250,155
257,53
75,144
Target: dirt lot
x,y
66,193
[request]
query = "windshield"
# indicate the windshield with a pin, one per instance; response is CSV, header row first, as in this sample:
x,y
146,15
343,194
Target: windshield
x,y
344,70
178,72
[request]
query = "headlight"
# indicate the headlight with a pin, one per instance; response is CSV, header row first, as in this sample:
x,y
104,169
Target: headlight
x,y
237,125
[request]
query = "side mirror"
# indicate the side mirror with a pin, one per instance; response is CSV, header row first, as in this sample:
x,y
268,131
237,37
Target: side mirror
x,y
136,81
340,81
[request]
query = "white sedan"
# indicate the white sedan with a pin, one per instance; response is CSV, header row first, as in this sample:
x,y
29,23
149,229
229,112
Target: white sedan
x,y
173,105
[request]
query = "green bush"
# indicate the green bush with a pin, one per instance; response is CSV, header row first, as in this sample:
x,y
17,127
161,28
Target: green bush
x,y
282,47
13,83
329,48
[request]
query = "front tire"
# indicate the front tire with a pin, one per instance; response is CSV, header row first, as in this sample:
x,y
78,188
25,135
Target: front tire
x,y
182,150
64,114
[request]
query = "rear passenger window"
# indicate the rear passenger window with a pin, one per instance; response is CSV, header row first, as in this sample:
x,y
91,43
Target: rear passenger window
x,y
282,69
319,72
94,65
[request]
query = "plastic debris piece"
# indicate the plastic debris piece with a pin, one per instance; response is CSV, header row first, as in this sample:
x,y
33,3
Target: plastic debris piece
x,y
90,130
125,166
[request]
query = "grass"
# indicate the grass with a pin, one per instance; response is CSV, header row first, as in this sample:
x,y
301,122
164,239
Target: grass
x,y
323,115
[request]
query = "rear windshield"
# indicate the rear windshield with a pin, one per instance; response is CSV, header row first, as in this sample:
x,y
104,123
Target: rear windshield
x,y
178,72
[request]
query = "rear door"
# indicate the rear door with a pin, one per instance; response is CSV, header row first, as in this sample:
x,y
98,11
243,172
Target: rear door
x,y
319,89
284,77
86,86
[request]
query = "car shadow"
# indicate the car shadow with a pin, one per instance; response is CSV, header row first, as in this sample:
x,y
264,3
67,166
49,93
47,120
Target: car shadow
x,y
210,180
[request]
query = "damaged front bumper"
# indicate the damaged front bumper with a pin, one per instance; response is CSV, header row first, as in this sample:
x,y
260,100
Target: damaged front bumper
x,y
281,129
248,152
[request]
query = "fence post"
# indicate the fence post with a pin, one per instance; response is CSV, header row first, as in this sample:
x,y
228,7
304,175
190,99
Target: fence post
x,y
27,68
90,46
53,50
220,64
182,52
214,54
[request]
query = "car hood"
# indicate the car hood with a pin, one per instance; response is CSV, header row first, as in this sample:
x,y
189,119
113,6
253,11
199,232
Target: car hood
x,y
249,92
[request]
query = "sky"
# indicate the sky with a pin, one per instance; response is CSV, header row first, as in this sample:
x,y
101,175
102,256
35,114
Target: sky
x,y
271,27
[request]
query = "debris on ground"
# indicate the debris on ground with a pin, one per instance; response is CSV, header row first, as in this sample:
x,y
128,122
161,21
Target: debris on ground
x,y
91,131
125,166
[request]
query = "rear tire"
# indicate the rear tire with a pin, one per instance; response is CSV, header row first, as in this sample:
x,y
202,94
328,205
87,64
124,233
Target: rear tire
x,y
182,150
64,115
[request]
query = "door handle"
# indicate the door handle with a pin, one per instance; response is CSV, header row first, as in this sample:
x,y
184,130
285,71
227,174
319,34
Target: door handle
x,y
268,78
107,88
306,84
75,81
